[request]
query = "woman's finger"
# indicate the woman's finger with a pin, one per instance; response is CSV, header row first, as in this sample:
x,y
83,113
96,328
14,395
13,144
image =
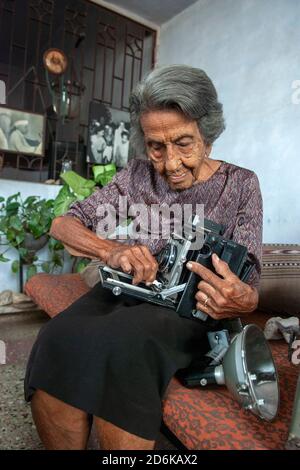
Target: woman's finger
x,y
153,263
139,254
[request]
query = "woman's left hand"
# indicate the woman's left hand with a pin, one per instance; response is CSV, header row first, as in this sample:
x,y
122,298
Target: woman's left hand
x,y
222,297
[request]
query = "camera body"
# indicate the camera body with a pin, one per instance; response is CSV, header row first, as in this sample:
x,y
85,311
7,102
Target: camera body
x,y
175,286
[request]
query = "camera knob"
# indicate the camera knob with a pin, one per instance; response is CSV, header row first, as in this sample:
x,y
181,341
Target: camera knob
x,y
205,251
117,290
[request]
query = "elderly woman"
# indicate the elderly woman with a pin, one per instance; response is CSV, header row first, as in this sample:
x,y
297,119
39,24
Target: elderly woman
x,y
111,358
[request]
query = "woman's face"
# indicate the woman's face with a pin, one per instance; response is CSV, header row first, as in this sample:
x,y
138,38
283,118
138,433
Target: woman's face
x,y
175,147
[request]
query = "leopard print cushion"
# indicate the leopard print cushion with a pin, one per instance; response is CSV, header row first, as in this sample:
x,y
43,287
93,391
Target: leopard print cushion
x,y
209,418
54,293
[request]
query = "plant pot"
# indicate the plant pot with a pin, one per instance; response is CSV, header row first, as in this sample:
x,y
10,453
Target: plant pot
x,y
33,245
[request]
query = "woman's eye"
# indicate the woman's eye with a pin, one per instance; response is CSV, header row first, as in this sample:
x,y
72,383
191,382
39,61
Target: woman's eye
x,y
183,144
155,146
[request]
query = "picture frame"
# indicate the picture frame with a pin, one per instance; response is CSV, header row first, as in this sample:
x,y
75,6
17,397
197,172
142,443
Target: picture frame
x,y
22,132
108,135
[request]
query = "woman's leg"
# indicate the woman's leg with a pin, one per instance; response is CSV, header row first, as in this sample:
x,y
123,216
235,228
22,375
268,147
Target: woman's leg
x,y
59,425
112,437
63,427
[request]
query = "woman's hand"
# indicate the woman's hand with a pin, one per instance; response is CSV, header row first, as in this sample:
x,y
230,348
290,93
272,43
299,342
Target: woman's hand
x,y
133,259
222,297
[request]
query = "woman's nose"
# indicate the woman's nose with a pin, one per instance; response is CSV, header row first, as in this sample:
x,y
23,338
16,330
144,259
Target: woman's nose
x,y
171,160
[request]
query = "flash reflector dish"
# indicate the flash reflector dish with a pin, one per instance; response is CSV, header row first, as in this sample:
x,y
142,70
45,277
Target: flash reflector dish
x,y
250,373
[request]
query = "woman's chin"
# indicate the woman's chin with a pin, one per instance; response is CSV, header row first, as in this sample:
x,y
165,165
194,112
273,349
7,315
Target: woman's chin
x,y
182,183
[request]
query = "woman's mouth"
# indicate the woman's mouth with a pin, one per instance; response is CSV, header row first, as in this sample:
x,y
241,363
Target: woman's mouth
x,y
177,178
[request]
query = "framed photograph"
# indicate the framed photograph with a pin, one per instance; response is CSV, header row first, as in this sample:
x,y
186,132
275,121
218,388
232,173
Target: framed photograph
x,y
22,132
2,92
108,135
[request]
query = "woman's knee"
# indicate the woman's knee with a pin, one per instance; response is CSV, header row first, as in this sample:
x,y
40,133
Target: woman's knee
x,y
47,407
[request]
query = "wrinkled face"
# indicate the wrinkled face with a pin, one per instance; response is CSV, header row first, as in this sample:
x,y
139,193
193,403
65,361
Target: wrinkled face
x,y
174,146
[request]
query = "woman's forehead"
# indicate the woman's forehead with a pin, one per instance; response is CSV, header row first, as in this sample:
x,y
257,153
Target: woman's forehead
x,y
165,122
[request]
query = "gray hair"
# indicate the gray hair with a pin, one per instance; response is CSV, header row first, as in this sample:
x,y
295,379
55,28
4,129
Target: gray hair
x,y
182,88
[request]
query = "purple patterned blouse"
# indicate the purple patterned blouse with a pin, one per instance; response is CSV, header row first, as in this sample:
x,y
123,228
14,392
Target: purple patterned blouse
x,y
231,197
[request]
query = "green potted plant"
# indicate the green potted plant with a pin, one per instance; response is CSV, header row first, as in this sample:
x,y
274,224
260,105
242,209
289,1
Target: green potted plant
x,y
24,225
77,188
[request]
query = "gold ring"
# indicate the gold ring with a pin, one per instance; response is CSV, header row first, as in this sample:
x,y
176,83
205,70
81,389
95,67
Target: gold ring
x,y
206,300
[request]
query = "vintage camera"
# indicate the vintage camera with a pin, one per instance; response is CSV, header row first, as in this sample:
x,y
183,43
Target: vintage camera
x,y
175,286
239,356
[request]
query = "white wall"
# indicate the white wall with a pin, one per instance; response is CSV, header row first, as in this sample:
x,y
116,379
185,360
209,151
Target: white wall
x,y
250,49
8,280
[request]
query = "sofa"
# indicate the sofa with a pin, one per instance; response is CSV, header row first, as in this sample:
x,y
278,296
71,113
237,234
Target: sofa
x,y
210,418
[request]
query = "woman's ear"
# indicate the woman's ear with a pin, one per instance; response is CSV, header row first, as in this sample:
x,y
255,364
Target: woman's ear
x,y
208,150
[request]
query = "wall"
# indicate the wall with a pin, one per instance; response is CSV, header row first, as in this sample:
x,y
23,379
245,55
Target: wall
x,y
250,48
107,54
8,280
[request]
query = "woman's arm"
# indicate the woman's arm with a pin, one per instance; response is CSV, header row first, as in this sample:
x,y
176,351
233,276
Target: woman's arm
x,y
80,241
225,295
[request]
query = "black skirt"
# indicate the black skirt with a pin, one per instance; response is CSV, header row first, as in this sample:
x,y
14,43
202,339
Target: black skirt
x,y
113,357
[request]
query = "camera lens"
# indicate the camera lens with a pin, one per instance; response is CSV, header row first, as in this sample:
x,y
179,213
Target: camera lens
x,y
166,258
205,251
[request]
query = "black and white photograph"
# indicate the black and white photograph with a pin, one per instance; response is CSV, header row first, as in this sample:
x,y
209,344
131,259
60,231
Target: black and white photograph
x,y
21,132
108,138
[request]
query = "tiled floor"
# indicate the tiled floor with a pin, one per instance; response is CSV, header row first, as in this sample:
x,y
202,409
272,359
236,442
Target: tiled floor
x,y
17,430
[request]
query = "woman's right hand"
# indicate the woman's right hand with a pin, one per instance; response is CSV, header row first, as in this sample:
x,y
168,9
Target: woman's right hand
x,y
136,260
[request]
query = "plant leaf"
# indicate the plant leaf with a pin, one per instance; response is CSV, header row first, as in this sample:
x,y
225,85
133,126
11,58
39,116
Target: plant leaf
x,y
16,223
46,267
79,185
30,200
57,259
14,197
12,208
3,259
31,271
15,266
55,245
103,174
11,235
63,201
50,203
20,237
81,265
23,252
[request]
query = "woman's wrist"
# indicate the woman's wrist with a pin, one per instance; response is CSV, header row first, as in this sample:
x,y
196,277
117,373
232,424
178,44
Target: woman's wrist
x,y
105,248
253,299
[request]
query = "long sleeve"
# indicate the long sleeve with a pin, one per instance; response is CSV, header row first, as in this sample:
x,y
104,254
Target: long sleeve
x,y
249,221
87,211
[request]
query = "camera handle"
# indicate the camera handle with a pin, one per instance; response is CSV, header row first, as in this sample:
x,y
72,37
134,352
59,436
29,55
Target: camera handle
x,y
200,315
